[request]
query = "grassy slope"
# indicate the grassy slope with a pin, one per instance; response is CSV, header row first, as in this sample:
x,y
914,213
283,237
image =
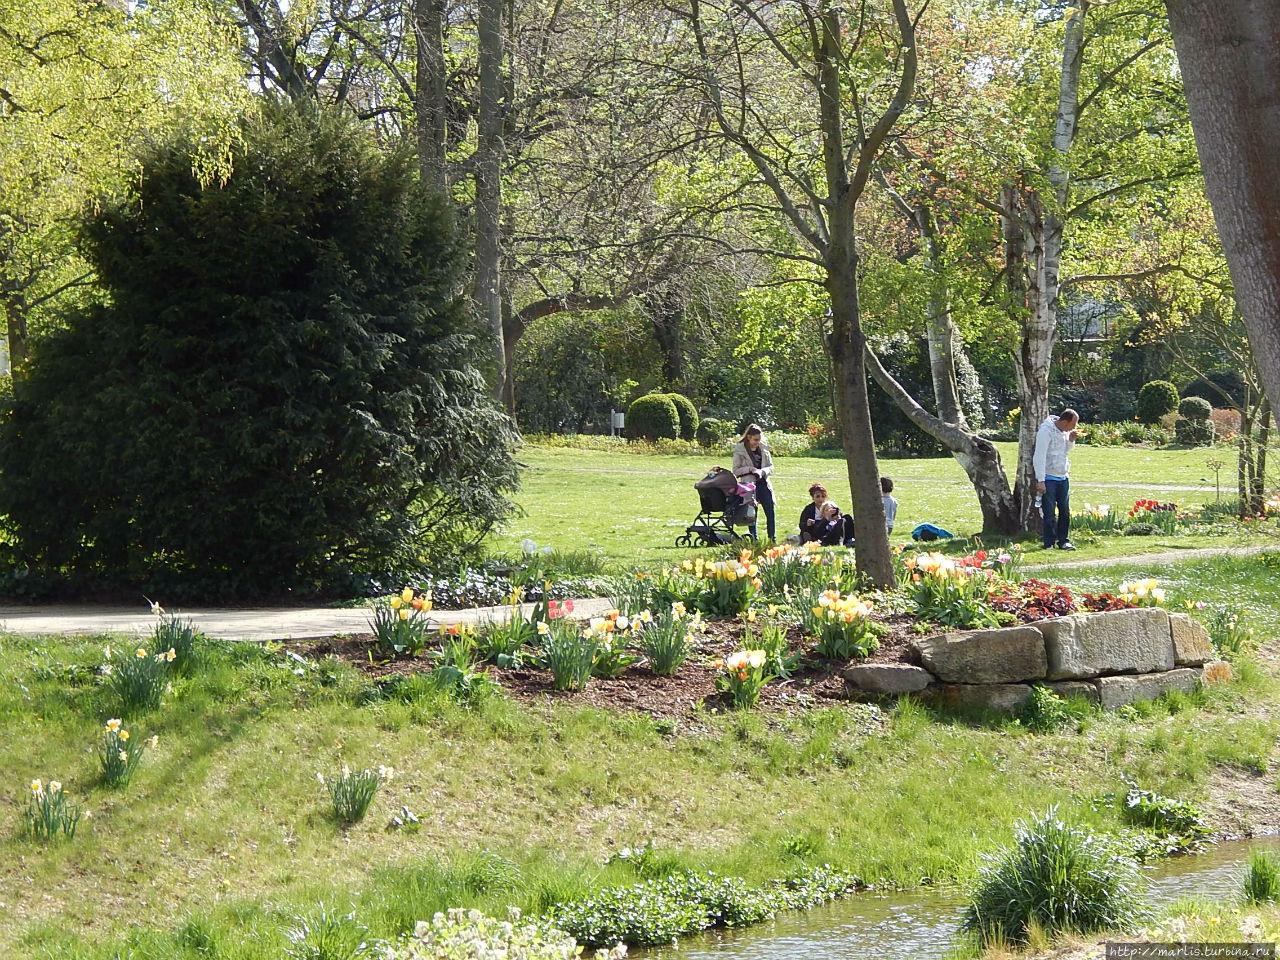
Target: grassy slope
x,y
224,828
631,507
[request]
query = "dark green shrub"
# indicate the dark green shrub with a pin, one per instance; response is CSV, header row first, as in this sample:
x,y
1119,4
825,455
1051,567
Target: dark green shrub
x,y
712,432
1194,433
1195,408
1059,878
1221,386
1155,400
653,417
1141,530
688,415
280,391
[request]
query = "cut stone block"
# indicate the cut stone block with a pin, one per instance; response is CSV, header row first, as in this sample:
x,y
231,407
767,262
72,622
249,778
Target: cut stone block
x,y
886,678
1191,644
1005,697
1076,688
1004,655
1117,691
1087,645
1218,671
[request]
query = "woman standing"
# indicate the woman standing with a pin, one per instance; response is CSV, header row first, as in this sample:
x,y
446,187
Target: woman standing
x,y
753,462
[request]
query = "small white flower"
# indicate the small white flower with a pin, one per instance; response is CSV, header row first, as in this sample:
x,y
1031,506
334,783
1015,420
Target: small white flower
x,y
528,546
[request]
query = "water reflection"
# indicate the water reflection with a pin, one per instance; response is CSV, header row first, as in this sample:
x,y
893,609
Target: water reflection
x,y
920,925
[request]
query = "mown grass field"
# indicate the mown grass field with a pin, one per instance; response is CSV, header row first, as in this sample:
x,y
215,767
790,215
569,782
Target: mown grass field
x,y
631,507
223,838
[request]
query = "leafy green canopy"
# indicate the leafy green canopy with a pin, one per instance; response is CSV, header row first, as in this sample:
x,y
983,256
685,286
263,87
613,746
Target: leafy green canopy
x,y
279,391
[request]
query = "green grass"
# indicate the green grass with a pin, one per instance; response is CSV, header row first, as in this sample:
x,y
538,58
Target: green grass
x,y
630,508
224,835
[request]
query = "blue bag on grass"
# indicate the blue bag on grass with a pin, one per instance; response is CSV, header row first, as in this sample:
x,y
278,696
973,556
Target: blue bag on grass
x,y
927,531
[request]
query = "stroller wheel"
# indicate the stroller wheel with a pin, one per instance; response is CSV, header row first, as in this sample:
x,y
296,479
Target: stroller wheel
x,y
684,541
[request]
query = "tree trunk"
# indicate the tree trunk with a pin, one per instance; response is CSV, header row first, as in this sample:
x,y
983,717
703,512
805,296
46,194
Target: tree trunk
x,y
666,313
15,315
1260,461
847,346
977,456
490,151
1229,53
1041,249
429,89
940,327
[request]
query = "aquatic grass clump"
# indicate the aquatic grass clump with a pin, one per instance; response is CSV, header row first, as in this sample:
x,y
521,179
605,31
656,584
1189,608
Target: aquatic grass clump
x,y
1056,878
1262,878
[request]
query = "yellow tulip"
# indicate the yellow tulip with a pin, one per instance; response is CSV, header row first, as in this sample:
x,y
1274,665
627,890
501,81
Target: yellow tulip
x,y
406,594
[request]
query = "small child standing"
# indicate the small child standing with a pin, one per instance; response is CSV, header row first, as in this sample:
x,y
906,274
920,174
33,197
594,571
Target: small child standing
x,y
890,503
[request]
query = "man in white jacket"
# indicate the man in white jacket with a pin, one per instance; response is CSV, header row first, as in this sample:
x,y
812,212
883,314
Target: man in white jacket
x,y
1054,440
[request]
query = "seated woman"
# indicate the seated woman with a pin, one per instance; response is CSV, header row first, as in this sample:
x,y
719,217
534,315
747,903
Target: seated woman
x,y
809,515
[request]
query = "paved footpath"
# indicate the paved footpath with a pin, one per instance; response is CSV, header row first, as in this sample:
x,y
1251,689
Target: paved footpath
x,y
266,623
299,623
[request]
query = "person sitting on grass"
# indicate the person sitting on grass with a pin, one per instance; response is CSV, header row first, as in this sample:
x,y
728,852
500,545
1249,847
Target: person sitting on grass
x,y
809,515
832,528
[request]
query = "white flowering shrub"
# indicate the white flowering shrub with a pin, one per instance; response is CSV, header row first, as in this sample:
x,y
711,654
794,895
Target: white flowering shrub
x,y
470,935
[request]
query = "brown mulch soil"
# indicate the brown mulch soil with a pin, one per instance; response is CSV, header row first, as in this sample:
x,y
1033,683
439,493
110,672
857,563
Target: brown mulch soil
x,y
816,683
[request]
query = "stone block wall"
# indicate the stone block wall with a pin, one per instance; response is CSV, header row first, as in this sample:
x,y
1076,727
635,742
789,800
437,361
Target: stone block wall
x,y
1110,658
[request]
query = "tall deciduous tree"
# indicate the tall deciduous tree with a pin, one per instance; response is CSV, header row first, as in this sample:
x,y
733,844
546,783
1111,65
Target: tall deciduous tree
x,y
1230,57
810,94
83,85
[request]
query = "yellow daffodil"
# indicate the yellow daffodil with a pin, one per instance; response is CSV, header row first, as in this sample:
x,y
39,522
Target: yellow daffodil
x,y
123,734
113,725
140,652
37,787
55,786
543,629
123,756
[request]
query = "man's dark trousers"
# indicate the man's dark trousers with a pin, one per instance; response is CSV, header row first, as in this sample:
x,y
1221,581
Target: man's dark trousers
x,y
1056,496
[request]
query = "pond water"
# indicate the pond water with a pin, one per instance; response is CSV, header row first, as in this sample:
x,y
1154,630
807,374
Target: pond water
x,y
919,925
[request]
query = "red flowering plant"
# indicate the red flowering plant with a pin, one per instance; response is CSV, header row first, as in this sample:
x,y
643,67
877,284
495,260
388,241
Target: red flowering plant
x,y
1040,600
1163,516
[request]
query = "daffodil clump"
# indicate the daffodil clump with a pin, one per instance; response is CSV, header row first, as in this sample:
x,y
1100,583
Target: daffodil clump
x,y
786,567
138,678
843,626
1095,519
613,634
1272,507
400,625
667,639
120,753
568,650
352,792
49,814
177,635
724,587
955,594
1141,593
742,675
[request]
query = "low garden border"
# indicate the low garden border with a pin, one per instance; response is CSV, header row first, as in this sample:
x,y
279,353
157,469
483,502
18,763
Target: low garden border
x,y
1111,659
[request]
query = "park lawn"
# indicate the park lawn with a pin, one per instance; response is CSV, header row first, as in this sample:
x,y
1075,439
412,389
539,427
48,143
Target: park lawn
x,y
630,507
223,837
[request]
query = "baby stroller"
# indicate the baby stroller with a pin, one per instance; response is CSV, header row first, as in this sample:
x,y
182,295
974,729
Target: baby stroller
x,y
725,503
